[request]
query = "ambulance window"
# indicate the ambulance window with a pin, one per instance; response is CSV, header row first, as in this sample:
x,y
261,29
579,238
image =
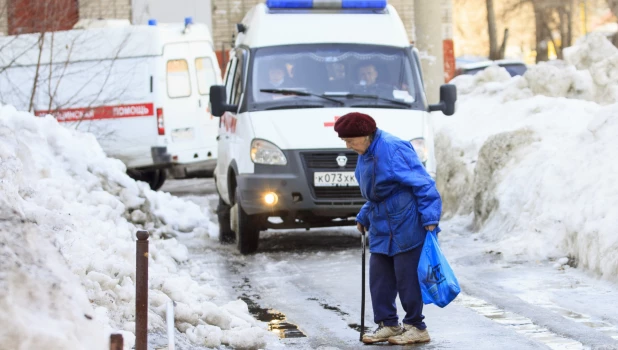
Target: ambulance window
x,y
206,76
237,89
178,80
229,80
237,86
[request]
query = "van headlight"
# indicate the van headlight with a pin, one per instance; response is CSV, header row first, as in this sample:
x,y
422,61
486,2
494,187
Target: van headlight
x,y
264,152
421,149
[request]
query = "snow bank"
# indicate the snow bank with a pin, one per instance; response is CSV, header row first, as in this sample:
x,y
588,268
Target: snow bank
x,y
68,217
589,72
534,158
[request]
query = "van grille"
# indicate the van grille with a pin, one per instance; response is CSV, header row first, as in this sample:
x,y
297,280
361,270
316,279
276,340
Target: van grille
x,y
328,160
321,161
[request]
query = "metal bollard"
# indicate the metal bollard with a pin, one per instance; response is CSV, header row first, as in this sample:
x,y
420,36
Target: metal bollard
x,y
141,291
116,342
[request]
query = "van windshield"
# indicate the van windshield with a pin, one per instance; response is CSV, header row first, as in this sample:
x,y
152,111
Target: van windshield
x,y
344,71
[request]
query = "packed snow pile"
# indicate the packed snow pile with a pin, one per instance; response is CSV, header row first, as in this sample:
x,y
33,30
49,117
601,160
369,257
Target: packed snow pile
x,y
588,72
68,218
533,159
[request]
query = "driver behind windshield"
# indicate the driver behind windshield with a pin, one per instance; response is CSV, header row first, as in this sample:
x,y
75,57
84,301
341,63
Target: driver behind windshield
x,y
277,78
368,79
367,74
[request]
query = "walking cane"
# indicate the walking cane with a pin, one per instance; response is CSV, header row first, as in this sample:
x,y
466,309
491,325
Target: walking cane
x,y
362,322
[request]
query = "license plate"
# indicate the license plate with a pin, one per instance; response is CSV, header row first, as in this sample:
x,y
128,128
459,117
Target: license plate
x,y
182,134
334,179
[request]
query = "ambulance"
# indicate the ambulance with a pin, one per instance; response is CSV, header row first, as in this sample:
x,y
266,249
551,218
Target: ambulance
x,y
296,66
142,90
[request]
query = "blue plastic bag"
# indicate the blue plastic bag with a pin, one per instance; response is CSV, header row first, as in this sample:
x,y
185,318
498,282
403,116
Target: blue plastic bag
x,y
439,285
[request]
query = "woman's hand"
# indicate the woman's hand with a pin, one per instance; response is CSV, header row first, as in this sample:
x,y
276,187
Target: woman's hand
x,y
430,227
360,228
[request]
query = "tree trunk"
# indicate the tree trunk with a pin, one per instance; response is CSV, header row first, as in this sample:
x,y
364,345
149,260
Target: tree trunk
x,y
503,46
542,39
572,8
491,28
613,6
565,14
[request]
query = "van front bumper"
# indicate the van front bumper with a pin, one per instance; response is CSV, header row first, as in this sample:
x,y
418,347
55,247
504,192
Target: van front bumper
x,y
297,198
293,194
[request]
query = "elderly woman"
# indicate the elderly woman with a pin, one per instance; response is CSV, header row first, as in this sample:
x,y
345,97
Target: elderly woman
x,y
402,205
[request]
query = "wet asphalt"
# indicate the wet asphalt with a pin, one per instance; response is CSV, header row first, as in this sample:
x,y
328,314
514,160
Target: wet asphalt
x,y
306,288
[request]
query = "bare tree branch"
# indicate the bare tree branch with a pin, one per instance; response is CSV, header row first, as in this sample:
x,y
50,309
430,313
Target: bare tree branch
x,y
52,97
514,7
38,67
17,57
51,63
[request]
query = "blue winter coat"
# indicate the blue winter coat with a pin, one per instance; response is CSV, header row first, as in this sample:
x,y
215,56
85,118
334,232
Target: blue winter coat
x,y
401,196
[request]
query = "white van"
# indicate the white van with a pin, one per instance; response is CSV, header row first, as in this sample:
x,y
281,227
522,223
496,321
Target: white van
x,y
142,90
292,72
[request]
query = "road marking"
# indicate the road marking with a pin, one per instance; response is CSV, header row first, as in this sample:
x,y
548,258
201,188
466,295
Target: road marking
x,y
518,323
599,325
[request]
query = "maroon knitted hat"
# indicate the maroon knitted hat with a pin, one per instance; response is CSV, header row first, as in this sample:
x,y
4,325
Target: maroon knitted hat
x,y
355,125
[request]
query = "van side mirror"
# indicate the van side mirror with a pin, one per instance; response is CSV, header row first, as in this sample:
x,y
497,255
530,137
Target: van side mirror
x,y
218,98
448,97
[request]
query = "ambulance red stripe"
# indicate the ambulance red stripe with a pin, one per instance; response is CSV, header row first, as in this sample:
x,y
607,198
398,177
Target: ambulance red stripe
x,y
102,112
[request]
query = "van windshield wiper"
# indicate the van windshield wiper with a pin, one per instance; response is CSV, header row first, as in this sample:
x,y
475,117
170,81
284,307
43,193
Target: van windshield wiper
x,y
294,106
300,93
370,97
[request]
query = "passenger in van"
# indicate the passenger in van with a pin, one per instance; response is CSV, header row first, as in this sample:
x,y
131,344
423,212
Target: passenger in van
x,y
403,203
276,75
369,79
367,74
278,78
337,78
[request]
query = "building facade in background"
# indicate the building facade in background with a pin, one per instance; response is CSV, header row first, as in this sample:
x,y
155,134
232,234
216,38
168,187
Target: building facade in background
x,y
35,16
221,16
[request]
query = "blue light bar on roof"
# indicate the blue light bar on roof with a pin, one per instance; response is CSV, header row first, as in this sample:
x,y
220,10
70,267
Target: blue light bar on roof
x,y
363,4
289,4
326,4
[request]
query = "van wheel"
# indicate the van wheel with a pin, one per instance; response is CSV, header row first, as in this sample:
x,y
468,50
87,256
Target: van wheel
x,y
245,226
154,178
226,235
158,179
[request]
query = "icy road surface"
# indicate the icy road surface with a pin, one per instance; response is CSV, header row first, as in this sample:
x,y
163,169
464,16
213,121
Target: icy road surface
x,y
306,287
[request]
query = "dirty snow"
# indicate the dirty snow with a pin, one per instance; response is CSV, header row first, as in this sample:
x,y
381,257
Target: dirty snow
x,y
531,161
68,218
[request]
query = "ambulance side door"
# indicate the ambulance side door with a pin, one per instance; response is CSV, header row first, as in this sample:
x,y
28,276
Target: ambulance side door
x,y
238,131
206,77
225,130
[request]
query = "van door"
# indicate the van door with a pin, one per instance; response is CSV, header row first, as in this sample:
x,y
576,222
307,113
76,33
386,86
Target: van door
x,y
223,138
206,76
179,103
237,139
